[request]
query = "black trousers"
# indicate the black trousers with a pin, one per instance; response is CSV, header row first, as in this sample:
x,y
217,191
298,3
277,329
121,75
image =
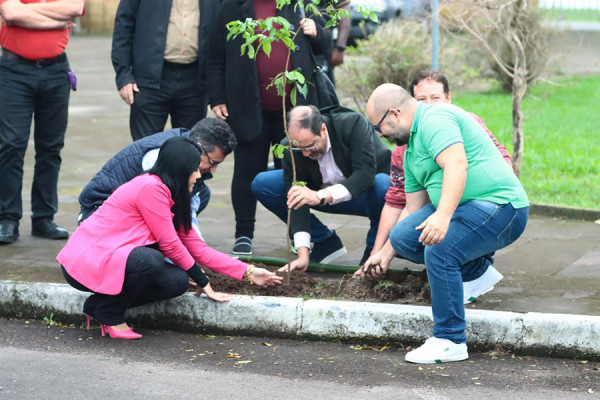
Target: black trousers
x,y
41,94
178,96
250,159
148,278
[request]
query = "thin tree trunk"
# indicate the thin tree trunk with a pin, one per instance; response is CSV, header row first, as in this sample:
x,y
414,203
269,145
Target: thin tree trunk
x,y
519,90
519,87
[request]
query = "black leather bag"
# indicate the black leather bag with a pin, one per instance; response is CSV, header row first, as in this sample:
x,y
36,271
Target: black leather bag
x,y
325,89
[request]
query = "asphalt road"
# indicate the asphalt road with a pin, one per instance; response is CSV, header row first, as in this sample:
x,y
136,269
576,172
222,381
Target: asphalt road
x,y
41,362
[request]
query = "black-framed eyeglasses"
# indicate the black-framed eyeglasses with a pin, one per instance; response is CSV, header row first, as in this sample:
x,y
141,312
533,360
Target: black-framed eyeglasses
x,y
310,148
378,126
212,162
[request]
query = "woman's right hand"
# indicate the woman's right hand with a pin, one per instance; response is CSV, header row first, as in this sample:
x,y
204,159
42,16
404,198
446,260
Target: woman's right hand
x,y
264,278
216,296
220,111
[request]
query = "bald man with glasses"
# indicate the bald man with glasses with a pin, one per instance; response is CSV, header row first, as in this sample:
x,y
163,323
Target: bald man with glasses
x,y
346,169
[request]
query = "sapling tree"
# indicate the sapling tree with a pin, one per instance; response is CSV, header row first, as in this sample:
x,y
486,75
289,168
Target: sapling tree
x,y
513,34
259,35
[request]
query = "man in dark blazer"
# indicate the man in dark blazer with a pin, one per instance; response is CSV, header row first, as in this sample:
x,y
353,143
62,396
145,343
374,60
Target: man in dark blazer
x,y
345,167
159,54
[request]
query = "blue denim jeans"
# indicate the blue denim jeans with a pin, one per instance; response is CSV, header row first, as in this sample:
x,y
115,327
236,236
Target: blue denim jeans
x,y
269,188
477,229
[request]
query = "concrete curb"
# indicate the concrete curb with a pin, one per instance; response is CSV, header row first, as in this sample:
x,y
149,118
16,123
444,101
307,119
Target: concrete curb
x,y
549,210
556,334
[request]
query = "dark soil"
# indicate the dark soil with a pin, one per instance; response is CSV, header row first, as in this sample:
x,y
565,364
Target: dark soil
x,y
399,287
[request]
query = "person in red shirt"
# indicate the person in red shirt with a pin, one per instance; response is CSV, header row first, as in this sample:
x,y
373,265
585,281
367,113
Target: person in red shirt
x,y
35,82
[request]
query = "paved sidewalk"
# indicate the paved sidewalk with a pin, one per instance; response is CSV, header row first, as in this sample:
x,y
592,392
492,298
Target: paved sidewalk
x,y
553,268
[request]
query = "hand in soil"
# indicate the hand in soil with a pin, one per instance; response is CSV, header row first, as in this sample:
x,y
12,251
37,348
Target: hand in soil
x,y
300,263
375,266
264,278
297,264
216,296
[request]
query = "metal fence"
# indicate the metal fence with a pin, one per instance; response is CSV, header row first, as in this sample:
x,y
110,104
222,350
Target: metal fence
x,y
570,4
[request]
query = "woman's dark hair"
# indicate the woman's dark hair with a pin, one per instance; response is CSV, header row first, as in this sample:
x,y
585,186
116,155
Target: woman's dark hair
x,y
177,159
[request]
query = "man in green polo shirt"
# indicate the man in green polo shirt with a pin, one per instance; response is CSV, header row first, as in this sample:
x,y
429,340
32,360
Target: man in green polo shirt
x,y
463,202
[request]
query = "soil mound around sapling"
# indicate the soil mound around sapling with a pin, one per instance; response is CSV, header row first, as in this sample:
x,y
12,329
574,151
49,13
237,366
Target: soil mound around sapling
x,y
398,287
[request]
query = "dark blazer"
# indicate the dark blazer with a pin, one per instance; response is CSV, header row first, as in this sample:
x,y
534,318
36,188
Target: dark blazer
x,y
126,165
357,150
140,36
232,79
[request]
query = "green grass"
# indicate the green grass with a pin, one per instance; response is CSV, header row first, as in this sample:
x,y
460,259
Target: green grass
x,y
562,138
573,15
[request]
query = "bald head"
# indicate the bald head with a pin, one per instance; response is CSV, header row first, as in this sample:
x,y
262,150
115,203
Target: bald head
x,y
305,117
387,96
391,110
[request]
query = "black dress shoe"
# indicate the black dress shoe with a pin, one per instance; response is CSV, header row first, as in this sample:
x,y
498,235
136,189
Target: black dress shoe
x,y
49,230
8,233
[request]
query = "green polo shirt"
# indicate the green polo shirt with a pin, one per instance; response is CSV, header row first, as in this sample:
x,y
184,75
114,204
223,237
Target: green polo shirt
x,y
438,126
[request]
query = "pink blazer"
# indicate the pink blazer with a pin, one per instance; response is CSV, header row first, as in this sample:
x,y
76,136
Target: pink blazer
x,y
137,214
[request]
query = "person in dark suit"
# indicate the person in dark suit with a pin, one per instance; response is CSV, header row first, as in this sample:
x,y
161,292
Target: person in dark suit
x,y
346,168
238,94
159,54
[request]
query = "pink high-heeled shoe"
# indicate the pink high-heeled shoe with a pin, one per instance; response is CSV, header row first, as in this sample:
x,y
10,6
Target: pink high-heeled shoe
x,y
114,334
87,324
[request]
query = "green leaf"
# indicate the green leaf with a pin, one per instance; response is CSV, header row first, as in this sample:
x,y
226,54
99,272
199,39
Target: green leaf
x,y
330,24
312,9
300,183
293,93
303,90
299,77
266,46
278,150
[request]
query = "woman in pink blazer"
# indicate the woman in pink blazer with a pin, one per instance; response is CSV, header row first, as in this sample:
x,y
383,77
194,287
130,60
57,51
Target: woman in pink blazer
x,y
119,252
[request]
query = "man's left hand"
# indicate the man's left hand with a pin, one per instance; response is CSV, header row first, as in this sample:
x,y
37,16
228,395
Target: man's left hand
x,y
337,57
434,229
301,195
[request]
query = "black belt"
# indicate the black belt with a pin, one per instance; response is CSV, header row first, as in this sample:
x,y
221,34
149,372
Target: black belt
x,y
44,62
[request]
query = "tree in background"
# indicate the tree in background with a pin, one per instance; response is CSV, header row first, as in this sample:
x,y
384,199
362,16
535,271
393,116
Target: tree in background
x,y
511,31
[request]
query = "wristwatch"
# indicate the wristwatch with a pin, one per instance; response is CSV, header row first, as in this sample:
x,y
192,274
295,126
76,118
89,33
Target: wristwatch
x,y
322,196
340,48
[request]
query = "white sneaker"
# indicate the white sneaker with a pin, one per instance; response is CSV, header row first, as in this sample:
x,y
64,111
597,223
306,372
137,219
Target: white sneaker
x,y
437,351
485,283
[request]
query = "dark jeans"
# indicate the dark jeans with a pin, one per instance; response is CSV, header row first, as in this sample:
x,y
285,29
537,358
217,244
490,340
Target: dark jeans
x,y
269,189
178,96
250,159
40,93
148,278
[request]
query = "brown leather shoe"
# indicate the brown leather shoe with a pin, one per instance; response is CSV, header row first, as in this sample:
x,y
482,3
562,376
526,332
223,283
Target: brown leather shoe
x,y
49,230
8,233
